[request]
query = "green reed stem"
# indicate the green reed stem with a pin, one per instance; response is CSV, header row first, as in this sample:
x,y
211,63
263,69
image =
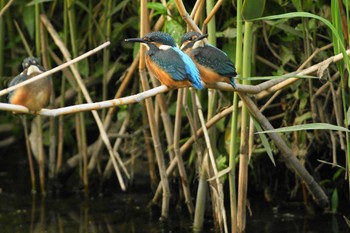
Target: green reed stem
x,y
82,131
37,31
234,125
2,39
243,161
106,54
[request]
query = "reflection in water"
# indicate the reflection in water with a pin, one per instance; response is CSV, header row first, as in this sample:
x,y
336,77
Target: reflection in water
x,y
122,213
294,219
129,213
21,212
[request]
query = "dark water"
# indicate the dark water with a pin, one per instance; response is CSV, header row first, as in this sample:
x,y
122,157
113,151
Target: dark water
x,y
129,212
121,213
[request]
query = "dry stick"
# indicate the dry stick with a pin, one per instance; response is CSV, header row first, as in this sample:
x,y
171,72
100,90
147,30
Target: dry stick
x,y
79,145
52,122
317,192
219,189
267,62
84,91
157,146
121,89
322,89
211,15
337,111
41,157
134,99
262,89
180,164
5,7
182,10
89,106
173,163
52,71
29,153
339,115
151,118
274,53
117,144
168,126
110,113
269,85
197,8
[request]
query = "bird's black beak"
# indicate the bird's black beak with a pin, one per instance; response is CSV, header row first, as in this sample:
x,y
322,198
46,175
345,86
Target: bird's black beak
x,y
201,37
140,40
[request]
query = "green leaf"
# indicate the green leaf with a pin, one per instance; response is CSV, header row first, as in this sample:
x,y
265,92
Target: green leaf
x,y
278,77
312,126
28,20
83,67
158,8
303,118
265,142
335,201
338,38
174,29
287,55
34,2
253,9
347,221
297,4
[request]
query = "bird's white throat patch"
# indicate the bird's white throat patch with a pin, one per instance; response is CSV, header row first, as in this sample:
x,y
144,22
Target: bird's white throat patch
x,y
198,44
33,69
164,47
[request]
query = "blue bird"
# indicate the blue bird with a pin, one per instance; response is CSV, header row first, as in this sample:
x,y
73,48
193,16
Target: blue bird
x,y
167,62
35,95
213,64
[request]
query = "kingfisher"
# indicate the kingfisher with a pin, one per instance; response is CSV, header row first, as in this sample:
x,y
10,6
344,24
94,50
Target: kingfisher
x,y
213,64
167,62
35,95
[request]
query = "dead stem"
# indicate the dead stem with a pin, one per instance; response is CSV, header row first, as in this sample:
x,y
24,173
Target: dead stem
x,y
218,186
180,164
8,4
86,95
317,192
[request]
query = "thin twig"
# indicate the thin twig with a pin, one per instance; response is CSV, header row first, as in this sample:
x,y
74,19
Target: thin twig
x,y
86,95
317,192
180,164
56,69
211,14
5,7
262,89
144,28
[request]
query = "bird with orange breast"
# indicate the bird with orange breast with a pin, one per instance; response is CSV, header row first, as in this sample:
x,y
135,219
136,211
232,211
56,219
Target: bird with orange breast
x,y
167,62
213,64
35,95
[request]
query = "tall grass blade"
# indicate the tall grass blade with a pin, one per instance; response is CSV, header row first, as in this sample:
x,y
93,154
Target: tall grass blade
x,y
312,126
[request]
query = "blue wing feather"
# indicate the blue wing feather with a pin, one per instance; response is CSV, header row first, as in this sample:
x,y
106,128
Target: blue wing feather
x,y
177,64
191,69
18,79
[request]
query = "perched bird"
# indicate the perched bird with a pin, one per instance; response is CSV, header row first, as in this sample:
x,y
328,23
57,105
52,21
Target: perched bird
x,y
167,62
213,64
35,95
